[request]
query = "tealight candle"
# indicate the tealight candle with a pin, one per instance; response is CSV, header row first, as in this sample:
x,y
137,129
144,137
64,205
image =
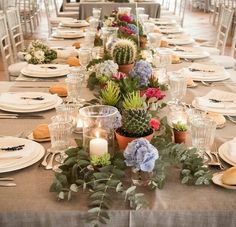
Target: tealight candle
x,y
98,146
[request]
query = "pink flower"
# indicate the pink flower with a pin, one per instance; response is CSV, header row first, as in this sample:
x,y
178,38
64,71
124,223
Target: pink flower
x,y
154,123
125,18
118,76
126,30
154,92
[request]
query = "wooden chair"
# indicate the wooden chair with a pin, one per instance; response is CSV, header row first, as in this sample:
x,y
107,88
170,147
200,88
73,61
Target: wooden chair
x,y
12,68
15,30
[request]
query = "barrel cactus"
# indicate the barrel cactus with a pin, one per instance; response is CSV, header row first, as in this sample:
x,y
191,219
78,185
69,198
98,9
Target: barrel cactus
x,y
135,116
124,52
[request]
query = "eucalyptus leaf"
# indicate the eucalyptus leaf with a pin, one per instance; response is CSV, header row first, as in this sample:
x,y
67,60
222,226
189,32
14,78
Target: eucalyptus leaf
x,y
74,188
61,195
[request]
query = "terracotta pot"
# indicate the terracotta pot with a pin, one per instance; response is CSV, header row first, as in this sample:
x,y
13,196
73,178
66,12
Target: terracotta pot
x,y
143,41
180,136
126,68
123,140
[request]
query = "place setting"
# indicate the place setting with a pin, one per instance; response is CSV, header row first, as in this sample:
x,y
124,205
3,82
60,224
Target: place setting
x,y
68,34
179,39
74,24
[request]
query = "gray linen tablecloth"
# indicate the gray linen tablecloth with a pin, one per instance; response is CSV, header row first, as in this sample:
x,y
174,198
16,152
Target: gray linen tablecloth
x,y
30,204
85,8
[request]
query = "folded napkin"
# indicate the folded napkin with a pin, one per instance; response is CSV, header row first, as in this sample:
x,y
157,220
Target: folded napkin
x,y
66,52
46,68
232,149
218,99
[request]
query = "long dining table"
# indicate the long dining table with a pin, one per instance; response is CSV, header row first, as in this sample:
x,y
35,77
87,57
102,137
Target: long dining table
x,y
30,204
153,9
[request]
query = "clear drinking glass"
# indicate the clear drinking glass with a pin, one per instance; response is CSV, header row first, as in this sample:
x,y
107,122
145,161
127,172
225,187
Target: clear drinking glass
x,y
178,86
60,134
69,110
89,38
85,56
97,12
165,57
73,84
202,130
124,10
143,17
154,39
140,10
148,27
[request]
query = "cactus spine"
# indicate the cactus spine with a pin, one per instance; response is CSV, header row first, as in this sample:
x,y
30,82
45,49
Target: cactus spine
x,y
124,52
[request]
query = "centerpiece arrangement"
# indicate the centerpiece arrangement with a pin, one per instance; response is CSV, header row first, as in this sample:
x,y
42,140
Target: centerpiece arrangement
x,y
39,53
129,99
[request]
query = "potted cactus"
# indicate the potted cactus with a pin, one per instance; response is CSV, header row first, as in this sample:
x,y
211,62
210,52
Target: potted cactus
x,y
180,132
124,54
135,120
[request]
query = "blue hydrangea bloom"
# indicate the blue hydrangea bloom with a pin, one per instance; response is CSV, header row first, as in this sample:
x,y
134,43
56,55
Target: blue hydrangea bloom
x,y
141,155
133,28
143,71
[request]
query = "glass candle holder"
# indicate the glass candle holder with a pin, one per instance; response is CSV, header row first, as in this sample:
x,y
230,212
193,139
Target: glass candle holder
x,y
98,128
176,114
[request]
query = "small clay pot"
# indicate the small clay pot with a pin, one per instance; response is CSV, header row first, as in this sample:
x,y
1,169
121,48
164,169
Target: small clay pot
x,y
126,68
143,42
180,136
124,140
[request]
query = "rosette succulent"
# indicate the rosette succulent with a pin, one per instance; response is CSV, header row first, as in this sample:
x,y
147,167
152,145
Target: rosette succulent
x,y
142,71
141,155
135,116
124,52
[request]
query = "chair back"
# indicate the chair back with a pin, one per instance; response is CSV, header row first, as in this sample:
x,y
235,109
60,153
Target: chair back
x,y
224,28
5,44
48,14
180,10
15,30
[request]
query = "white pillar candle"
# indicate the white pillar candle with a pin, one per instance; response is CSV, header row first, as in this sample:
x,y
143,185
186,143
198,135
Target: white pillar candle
x,y
98,147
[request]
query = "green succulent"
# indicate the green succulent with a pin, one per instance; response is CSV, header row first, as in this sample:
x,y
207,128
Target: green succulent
x,y
135,116
124,52
103,160
133,101
110,95
179,126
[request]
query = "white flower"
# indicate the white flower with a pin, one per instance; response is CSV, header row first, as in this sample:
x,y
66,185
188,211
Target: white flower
x,y
28,57
39,54
108,22
106,68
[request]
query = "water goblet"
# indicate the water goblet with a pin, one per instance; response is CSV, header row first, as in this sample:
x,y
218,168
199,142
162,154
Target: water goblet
x,y
148,27
143,17
85,56
202,130
154,39
89,38
97,13
124,10
178,86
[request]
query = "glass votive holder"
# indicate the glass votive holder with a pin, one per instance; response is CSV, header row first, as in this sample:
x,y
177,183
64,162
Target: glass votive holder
x,y
98,128
60,134
93,23
176,114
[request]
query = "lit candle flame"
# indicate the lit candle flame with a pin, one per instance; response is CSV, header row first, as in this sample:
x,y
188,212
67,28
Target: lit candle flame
x,y
97,134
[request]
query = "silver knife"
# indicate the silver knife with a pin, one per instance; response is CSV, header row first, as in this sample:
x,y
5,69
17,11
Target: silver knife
x,y
23,116
7,184
6,179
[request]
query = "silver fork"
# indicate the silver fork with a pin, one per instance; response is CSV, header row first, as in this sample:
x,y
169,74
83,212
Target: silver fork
x,y
215,153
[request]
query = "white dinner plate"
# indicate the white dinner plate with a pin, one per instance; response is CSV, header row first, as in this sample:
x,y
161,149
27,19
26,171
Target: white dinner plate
x,y
44,108
174,30
180,41
163,21
37,152
231,112
223,153
45,70
217,179
191,53
75,24
68,35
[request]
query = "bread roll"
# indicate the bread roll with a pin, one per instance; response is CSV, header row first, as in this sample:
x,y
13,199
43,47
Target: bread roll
x,y
190,83
76,45
218,118
73,61
41,132
175,59
60,90
229,176
164,43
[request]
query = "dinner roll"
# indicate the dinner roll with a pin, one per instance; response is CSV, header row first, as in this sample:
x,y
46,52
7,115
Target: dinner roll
x,y
76,45
218,118
229,176
164,43
41,132
190,83
175,59
73,61
60,90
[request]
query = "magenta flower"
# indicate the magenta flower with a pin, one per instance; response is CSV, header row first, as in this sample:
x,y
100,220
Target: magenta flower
x,y
126,30
126,18
155,123
119,76
154,92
